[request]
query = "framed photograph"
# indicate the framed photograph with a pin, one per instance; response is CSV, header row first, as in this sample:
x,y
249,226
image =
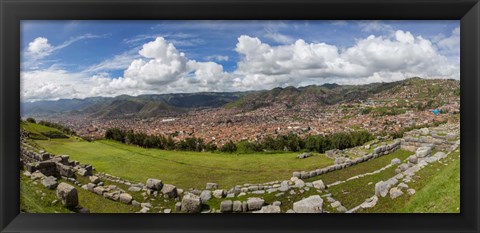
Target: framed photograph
x,y
191,116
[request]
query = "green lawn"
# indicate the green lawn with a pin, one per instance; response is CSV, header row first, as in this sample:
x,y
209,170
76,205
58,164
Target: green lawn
x,y
183,169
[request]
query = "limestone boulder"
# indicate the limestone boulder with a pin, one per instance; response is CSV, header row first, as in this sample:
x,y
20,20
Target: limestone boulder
x,y
268,209
254,203
37,175
299,184
296,174
413,159
423,151
154,184
395,192
318,184
312,204
219,193
237,206
91,186
191,203
169,190
67,194
205,195
396,161
50,182
84,172
411,191
226,206
94,179
99,190
126,198
381,188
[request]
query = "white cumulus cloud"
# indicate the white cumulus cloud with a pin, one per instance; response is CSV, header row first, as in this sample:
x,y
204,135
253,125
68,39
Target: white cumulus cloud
x,y
375,58
39,48
159,67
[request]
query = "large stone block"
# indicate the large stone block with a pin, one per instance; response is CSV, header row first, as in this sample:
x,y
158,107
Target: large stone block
x,y
154,184
50,182
67,194
423,151
255,203
226,206
205,195
191,203
268,209
237,206
318,184
94,179
169,190
381,188
126,198
312,204
99,190
220,193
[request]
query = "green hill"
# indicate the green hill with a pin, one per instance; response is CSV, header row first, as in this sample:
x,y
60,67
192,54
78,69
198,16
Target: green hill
x,y
37,131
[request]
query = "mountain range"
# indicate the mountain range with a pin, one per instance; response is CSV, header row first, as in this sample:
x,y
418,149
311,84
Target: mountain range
x,y
151,105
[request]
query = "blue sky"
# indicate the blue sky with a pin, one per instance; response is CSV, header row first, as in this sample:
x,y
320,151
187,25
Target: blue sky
x,y
78,59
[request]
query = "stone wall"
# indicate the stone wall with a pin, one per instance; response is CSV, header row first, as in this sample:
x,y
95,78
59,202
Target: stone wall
x,y
439,142
48,164
442,137
377,152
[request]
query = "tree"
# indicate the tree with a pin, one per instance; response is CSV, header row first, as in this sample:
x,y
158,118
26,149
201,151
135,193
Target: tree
x,y
210,147
31,120
312,143
229,147
169,144
248,147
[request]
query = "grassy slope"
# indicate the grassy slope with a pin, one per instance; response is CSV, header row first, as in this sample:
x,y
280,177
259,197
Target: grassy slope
x,y
184,169
354,192
361,168
39,131
31,200
441,194
437,191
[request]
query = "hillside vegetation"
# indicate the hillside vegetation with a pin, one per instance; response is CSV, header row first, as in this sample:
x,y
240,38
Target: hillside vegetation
x,y
144,106
37,131
328,94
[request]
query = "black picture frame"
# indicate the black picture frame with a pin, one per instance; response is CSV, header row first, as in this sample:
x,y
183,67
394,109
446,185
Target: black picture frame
x,y
12,11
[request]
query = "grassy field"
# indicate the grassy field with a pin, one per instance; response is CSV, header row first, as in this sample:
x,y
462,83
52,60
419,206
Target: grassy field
x,y
183,169
437,185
